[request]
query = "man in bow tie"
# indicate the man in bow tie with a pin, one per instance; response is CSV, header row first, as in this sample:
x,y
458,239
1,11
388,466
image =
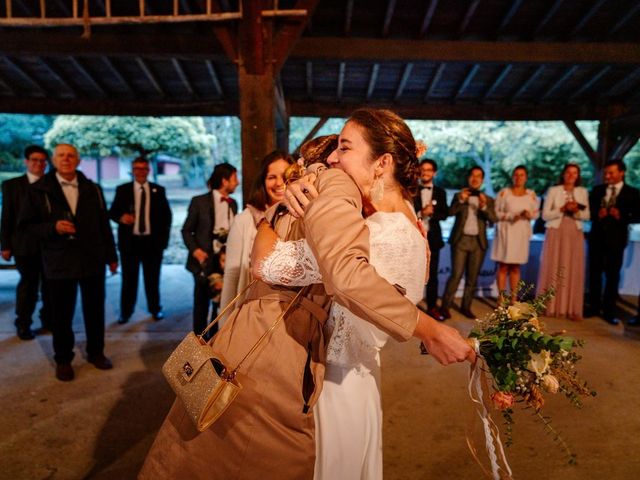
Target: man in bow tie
x,y
431,207
67,213
24,248
613,206
204,232
143,215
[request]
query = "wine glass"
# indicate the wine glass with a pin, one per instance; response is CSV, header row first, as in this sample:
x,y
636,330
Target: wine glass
x,y
68,216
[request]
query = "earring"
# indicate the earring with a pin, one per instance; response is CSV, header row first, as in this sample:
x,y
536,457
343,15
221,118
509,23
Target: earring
x,y
377,190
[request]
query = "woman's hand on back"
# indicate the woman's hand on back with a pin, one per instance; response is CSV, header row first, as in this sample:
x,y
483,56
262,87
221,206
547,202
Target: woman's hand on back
x,y
299,194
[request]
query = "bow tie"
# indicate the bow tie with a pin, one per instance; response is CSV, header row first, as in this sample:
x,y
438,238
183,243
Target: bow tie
x,y
225,199
426,188
69,184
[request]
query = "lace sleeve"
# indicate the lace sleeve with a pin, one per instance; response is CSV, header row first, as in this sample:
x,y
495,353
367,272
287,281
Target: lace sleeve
x,y
291,264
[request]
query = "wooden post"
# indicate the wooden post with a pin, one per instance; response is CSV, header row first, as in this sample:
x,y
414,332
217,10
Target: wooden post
x,y
604,147
257,119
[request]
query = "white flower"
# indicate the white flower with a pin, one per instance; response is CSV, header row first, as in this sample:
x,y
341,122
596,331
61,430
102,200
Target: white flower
x,y
550,383
539,362
519,311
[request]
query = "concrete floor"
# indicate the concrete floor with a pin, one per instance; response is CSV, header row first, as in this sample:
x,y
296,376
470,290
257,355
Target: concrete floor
x,y
101,425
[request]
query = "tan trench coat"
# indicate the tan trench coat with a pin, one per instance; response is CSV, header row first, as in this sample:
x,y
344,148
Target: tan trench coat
x,y
268,432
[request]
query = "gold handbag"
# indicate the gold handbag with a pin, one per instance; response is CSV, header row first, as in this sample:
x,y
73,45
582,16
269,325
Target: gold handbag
x,y
201,378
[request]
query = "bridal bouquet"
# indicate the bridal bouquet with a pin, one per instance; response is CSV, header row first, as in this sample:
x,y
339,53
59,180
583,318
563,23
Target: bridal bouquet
x,y
526,362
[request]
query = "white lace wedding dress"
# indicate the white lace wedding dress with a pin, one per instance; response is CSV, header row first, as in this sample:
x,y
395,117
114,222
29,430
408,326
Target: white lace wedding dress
x,y
349,412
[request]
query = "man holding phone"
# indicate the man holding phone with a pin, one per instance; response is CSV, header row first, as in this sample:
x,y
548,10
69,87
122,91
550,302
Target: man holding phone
x,y
474,212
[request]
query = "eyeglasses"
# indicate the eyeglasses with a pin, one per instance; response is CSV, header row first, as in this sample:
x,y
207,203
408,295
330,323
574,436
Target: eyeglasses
x,y
37,160
140,169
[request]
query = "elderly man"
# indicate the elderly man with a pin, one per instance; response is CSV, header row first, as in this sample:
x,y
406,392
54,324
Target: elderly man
x,y
67,212
24,248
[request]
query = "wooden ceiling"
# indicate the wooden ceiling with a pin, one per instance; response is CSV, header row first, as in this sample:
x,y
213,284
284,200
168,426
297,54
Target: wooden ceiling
x,y
448,59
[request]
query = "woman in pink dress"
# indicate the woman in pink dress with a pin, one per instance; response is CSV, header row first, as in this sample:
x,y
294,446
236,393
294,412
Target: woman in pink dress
x,y
566,207
516,206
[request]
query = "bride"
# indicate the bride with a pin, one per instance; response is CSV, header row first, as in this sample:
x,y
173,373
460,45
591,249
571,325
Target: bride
x,y
348,412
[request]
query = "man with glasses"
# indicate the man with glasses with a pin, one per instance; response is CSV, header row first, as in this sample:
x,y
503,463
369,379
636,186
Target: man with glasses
x,y
143,215
25,248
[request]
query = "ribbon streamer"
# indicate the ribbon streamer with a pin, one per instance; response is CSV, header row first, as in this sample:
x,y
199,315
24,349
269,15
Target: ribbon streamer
x,y
500,469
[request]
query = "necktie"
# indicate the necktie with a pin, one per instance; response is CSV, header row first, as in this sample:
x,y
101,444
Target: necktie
x,y
612,196
142,227
69,184
427,188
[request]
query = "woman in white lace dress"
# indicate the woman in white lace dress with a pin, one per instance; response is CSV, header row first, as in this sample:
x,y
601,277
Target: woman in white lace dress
x,y
349,411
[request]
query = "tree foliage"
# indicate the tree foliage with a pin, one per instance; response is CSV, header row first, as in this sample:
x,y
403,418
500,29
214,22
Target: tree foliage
x,y
16,132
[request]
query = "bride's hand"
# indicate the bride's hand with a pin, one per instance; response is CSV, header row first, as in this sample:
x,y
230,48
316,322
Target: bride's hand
x,y
299,193
443,342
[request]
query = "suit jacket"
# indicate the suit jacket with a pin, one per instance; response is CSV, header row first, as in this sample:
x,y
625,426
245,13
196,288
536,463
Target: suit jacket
x,y
93,246
486,218
197,231
14,194
440,212
159,215
608,231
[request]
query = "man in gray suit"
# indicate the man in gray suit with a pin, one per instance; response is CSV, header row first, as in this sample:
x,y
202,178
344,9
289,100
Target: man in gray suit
x,y
474,212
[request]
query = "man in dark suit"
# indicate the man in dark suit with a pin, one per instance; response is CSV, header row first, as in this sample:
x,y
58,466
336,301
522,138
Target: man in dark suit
x,y
474,212
143,215
613,207
431,207
67,213
204,233
25,248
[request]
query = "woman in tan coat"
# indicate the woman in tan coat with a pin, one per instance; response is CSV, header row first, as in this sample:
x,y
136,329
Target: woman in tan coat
x,y
268,431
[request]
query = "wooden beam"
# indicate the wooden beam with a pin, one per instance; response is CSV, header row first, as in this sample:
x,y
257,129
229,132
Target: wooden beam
x,y
582,141
282,119
623,146
406,73
63,6
499,79
625,84
548,16
183,77
348,17
309,78
150,77
341,71
527,83
467,80
37,86
288,35
468,16
215,81
589,83
434,81
557,83
111,106
52,43
88,76
604,146
257,119
515,6
253,44
312,133
350,49
5,86
373,78
428,16
58,76
458,111
116,73
388,15
587,16
625,18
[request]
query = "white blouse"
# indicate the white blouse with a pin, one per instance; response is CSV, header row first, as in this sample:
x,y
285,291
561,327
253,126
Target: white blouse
x,y
556,197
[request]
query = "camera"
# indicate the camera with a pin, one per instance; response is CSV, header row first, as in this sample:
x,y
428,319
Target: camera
x,y
473,192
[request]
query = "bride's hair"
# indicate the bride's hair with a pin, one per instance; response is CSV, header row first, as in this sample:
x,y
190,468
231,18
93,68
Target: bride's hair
x,y
386,132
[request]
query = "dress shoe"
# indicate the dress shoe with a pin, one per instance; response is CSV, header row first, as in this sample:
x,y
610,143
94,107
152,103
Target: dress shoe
x,y
591,312
64,372
468,313
445,313
634,322
611,320
122,320
435,313
100,362
159,315
25,333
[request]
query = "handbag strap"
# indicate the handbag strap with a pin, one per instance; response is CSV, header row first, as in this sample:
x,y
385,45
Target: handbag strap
x,y
232,375
227,308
